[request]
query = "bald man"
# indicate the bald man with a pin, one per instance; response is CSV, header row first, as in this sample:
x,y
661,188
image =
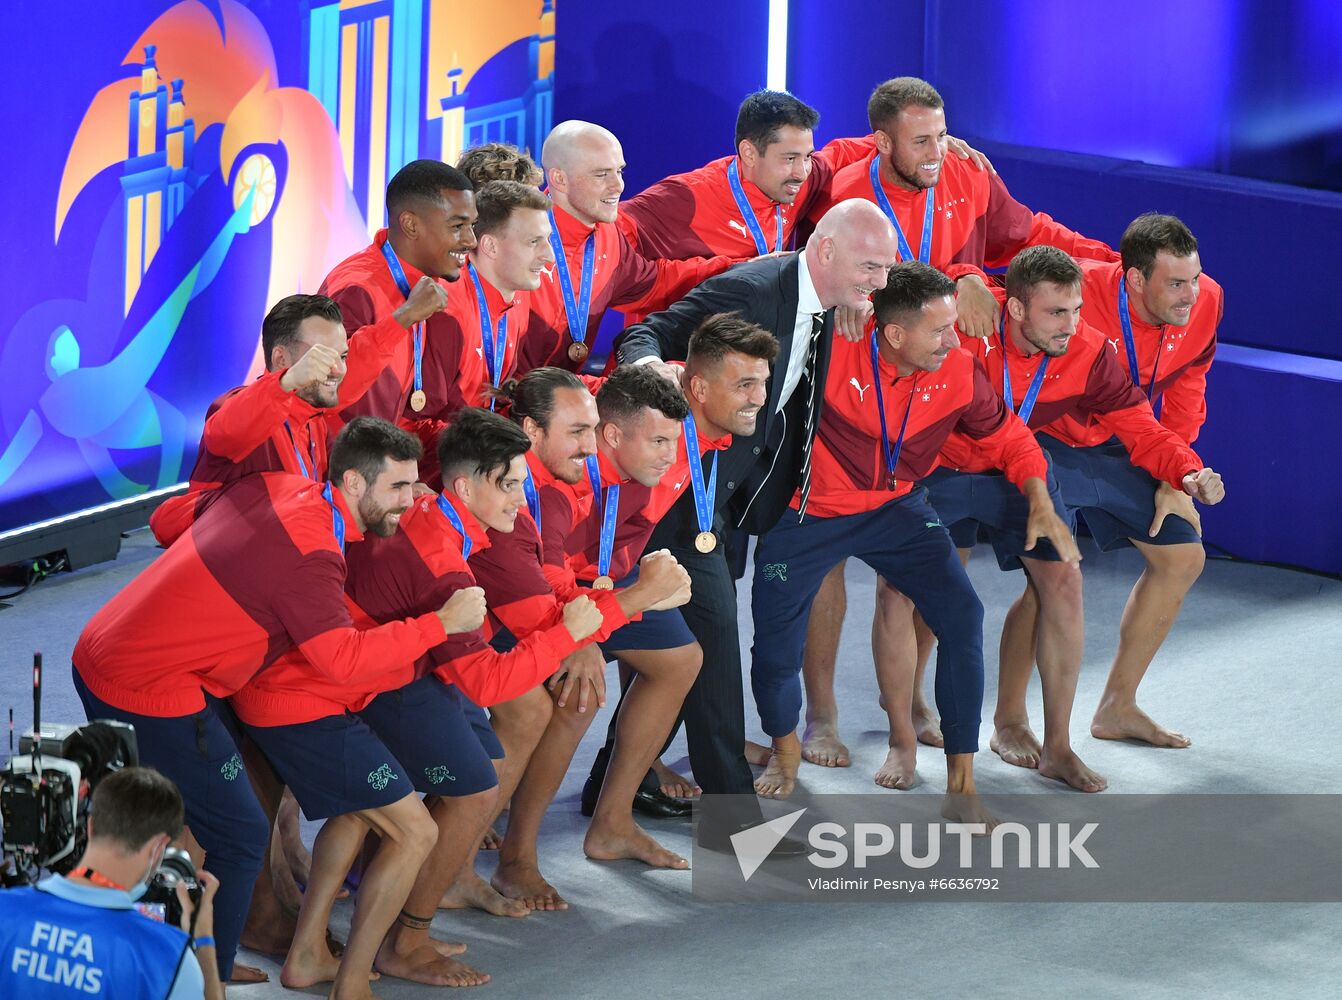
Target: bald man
x,y
793,296
595,267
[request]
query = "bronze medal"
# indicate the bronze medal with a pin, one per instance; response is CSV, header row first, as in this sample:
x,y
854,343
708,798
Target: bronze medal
x,y
705,541
603,583
577,352
418,400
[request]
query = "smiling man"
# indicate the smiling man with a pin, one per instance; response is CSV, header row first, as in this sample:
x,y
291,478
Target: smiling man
x,y
401,279
595,267
474,348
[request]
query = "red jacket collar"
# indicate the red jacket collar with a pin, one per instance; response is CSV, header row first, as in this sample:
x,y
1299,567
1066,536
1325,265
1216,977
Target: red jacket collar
x,y
352,533
412,273
493,297
572,233
474,531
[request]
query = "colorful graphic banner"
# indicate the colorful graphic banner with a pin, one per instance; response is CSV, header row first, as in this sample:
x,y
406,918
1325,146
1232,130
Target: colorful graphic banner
x,y
177,171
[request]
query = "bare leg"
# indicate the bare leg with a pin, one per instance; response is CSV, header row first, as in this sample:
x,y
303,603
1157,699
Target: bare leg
x,y
1013,740
650,708
821,744
1060,646
518,876
408,952
519,724
893,648
408,835
1152,607
962,803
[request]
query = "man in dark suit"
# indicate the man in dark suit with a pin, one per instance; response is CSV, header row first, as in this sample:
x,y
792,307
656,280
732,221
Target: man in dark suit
x,y
793,296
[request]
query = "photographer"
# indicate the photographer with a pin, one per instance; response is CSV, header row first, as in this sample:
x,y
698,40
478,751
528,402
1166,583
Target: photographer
x,y
82,935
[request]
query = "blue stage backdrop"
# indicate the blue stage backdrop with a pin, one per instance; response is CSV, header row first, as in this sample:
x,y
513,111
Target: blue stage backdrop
x,y
188,165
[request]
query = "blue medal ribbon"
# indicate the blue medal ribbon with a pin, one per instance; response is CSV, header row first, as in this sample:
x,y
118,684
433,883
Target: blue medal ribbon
x,y
533,498
929,205
398,275
337,518
495,350
312,453
891,455
606,510
1036,383
748,213
1131,344
703,496
451,514
578,309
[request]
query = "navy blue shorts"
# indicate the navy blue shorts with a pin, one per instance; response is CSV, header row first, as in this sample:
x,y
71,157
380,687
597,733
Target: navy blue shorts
x,y
967,501
443,738
334,766
654,630
199,754
1117,499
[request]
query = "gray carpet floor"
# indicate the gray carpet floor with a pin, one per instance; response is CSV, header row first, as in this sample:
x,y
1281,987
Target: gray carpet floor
x,y
1250,673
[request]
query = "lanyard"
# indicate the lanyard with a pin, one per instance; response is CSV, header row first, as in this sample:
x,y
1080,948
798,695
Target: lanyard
x,y
1131,344
891,454
576,309
606,510
451,514
1036,383
337,518
533,498
493,352
748,213
905,251
312,453
398,275
97,878
703,496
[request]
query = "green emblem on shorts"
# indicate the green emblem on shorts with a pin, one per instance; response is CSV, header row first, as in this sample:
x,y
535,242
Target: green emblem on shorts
x,y
231,768
382,777
933,524
775,571
437,775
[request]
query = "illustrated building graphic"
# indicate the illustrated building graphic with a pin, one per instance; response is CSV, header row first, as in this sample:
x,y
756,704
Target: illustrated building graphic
x,y
156,179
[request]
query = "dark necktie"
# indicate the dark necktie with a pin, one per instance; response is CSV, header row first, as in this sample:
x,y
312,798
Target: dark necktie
x,y
812,410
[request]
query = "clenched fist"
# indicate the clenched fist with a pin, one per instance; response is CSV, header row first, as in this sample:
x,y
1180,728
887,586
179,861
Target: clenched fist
x,y
582,617
464,611
426,298
313,368
1205,486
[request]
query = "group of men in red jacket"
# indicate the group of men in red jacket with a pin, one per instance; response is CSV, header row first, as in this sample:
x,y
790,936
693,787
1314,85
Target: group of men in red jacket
x,y
426,508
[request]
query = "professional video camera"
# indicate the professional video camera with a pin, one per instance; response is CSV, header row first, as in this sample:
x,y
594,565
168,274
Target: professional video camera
x,y
44,793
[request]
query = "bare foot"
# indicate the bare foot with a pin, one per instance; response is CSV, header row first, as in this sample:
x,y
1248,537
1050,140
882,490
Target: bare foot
x,y
425,965
1131,723
633,843
821,745
673,784
1016,744
491,840
927,725
959,807
523,882
757,754
310,968
244,974
780,776
471,892
898,771
269,929
1067,766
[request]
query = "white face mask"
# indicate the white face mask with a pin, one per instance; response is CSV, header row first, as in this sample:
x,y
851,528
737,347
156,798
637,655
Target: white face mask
x,y
141,886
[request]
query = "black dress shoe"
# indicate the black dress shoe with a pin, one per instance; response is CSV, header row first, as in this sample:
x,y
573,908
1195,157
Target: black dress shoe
x,y
648,801
720,841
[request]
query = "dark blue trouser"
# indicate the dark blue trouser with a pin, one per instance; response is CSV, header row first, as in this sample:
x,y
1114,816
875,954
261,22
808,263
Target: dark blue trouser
x,y
199,753
905,542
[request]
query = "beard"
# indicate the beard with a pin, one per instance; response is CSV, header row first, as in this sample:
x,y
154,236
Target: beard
x,y
376,518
